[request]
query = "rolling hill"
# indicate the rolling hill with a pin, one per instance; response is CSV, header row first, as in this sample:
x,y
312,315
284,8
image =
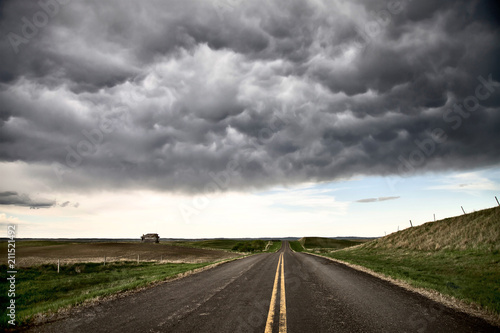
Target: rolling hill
x,y
328,243
457,256
478,231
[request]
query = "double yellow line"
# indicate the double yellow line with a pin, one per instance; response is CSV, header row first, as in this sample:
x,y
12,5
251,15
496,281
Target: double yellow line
x,y
270,315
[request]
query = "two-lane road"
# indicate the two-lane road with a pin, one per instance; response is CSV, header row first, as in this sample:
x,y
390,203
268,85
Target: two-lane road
x,y
277,292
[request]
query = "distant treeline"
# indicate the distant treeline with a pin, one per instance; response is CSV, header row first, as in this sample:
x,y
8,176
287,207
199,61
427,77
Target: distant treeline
x,y
255,245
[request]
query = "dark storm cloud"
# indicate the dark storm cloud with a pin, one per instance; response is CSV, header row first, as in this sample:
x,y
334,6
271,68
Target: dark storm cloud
x,y
17,199
175,95
24,200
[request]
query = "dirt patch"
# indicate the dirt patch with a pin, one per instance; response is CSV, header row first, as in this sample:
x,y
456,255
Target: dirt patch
x,y
113,251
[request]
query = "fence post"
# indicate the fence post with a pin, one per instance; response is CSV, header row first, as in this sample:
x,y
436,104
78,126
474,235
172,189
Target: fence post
x,y
58,266
411,224
462,209
497,200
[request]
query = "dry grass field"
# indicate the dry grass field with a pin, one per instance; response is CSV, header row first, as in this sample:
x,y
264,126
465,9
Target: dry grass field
x,y
478,231
30,253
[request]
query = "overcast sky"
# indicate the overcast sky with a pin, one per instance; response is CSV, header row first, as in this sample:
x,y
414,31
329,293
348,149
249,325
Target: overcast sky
x,y
244,118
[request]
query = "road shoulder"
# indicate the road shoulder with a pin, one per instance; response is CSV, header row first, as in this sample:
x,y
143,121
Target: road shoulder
x,y
448,301
44,318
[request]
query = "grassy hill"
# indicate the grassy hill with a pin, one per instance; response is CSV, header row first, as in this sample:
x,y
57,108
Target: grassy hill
x,y
230,244
457,256
321,243
479,231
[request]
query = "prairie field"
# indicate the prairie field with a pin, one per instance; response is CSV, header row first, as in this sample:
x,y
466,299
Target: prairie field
x,y
84,275
322,244
31,253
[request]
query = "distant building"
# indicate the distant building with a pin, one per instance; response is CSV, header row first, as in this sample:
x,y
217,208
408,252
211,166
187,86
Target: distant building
x,y
150,238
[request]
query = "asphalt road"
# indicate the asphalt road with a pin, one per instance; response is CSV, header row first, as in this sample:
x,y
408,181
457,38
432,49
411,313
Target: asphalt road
x,y
313,295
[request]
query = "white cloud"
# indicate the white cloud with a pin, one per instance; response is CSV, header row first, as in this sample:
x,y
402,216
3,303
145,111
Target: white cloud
x,y
6,220
471,182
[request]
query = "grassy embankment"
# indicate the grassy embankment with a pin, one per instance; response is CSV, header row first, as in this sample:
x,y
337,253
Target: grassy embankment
x,y
275,246
457,256
296,246
323,245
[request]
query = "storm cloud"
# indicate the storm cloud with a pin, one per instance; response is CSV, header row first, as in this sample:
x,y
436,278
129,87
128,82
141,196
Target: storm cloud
x,y
176,95
24,200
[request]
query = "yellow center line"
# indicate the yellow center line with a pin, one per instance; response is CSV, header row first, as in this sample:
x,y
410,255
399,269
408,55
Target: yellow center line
x,y
282,328
270,315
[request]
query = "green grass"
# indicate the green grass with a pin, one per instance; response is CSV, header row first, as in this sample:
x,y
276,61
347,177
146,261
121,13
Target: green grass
x,y
275,246
296,246
220,244
471,276
42,289
324,245
457,256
